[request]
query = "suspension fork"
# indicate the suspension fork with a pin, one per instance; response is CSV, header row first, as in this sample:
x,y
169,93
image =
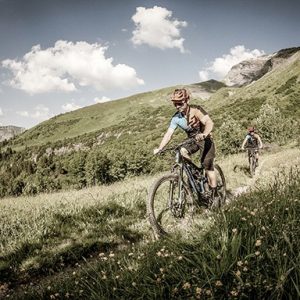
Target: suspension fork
x,y
181,186
179,197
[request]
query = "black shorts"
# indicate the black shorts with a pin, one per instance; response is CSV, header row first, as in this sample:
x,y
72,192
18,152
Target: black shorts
x,y
207,151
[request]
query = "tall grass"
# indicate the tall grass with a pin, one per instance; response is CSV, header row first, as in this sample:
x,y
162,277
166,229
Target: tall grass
x,y
46,233
102,234
249,251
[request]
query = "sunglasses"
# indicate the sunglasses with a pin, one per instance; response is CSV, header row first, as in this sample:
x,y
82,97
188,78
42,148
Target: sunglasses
x,y
178,104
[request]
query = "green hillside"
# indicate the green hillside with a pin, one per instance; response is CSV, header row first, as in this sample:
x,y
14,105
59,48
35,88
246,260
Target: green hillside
x,y
279,87
107,142
105,115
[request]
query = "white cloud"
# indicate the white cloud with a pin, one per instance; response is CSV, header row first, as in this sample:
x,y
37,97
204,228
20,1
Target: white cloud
x,y
70,106
203,75
156,28
68,65
1,112
40,112
222,65
23,113
102,99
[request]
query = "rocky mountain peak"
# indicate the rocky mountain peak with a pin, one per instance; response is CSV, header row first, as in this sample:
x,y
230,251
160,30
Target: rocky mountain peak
x,y
251,70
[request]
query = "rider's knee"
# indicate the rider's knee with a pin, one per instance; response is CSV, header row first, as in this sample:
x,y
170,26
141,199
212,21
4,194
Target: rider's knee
x,y
184,152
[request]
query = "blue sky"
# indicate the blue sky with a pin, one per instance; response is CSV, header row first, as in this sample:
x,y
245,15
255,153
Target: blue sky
x,y
59,55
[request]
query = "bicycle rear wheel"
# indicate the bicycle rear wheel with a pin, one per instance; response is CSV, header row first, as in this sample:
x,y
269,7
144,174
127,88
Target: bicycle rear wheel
x,y
169,212
252,162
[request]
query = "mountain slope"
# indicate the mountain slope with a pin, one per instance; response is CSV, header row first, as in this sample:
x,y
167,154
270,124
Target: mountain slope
x,y
106,115
279,85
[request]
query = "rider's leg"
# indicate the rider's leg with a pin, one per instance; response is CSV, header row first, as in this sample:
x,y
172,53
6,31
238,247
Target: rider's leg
x,y
207,160
212,178
256,156
185,153
188,149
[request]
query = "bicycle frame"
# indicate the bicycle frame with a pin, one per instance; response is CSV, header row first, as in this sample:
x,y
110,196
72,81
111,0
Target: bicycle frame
x,y
186,166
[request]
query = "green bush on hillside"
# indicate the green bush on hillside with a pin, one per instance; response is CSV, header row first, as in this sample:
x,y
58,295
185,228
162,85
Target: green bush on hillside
x,y
287,88
273,126
229,136
97,168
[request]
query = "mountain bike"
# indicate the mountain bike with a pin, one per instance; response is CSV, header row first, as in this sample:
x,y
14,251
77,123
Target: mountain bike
x,y
252,160
177,200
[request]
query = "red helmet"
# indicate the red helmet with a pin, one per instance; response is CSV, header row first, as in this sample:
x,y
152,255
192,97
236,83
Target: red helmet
x,y
251,129
180,95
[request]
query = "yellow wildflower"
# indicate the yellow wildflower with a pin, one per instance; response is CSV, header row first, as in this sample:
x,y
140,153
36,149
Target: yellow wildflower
x,y
258,243
219,283
186,286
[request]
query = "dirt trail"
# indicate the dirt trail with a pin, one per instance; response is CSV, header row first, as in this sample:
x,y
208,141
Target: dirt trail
x,y
270,164
245,188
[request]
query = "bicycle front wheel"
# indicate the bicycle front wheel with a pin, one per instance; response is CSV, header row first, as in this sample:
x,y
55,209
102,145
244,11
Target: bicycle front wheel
x,y
171,208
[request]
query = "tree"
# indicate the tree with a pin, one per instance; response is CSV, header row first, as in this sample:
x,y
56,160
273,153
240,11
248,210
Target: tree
x,y
273,126
97,168
76,168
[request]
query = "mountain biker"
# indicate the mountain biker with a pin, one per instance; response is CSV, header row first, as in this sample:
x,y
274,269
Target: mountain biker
x,y
252,140
195,121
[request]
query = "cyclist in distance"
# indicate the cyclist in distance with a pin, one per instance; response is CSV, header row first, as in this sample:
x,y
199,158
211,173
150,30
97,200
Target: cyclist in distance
x,y
252,140
195,121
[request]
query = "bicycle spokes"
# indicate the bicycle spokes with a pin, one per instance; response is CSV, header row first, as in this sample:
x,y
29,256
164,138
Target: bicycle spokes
x,y
173,207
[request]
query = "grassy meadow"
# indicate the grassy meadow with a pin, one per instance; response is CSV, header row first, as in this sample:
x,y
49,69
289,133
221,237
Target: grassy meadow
x,y
96,243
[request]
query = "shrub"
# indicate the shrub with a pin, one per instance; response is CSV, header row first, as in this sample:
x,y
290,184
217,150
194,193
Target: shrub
x,y
273,126
229,136
97,168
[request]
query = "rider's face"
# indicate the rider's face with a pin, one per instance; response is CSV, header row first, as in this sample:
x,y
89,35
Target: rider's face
x,y
180,105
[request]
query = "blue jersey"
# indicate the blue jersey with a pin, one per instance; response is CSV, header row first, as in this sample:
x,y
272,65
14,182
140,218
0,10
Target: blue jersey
x,y
181,120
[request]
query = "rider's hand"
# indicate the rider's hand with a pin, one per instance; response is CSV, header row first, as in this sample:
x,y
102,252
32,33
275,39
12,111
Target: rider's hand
x,y
155,151
200,137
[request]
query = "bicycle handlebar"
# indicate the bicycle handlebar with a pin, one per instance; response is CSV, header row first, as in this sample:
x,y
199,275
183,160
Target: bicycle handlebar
x,y
251,148
176,147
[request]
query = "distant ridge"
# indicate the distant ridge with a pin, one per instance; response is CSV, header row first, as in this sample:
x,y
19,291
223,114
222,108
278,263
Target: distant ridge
x,y
10,131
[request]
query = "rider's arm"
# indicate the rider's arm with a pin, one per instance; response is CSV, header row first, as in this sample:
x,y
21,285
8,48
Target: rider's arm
x,y
208,123
244,143
260,142
166,139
